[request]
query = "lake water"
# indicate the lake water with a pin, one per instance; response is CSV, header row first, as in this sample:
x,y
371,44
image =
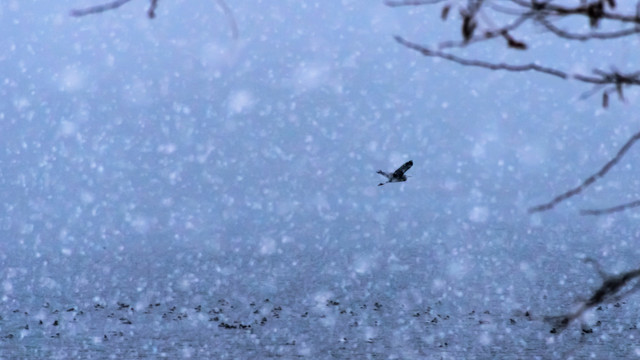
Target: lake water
x,y
468,291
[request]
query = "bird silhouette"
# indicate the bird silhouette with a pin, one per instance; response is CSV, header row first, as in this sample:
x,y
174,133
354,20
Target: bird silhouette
x,y
398,175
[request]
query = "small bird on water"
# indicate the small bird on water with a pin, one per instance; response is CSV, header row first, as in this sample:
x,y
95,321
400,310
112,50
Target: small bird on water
x,y
397,175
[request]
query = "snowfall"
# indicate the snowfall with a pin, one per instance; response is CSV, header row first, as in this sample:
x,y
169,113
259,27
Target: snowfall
x,y
173,189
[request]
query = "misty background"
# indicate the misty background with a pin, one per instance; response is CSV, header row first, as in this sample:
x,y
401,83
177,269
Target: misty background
x,y
164,160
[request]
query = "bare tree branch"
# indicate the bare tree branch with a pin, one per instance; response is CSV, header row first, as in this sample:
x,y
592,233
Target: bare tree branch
x,y
585,37
611,209
499,7
99,8
151,13
477,26
152,9
594,10
615,79
111,6
232,19
483,64
487,35
601,78
391,3
611,289
590,180
542,12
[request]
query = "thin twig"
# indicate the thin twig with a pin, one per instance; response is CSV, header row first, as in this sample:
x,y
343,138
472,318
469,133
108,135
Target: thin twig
x,y
232,20
547,8
590,180
609,290
611,209
152,9
603,78
487,35
585,37
391,3
153,5
99,8
483,64
506,10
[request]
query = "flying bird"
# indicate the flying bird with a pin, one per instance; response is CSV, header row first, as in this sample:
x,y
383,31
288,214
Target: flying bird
x,y
397,175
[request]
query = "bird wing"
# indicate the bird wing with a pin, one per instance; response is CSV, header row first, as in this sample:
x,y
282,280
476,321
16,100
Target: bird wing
x,y
403,169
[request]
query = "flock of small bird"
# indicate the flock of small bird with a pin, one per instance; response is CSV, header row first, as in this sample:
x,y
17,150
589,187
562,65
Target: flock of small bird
x,y
53,323
226,315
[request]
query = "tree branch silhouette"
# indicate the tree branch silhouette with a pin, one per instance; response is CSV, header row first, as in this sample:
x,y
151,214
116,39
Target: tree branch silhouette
x,y
232,19
600,77
610,210
590,180
591,36
412,2
99,8
151,12
543,13
610,290
152,9
476,27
